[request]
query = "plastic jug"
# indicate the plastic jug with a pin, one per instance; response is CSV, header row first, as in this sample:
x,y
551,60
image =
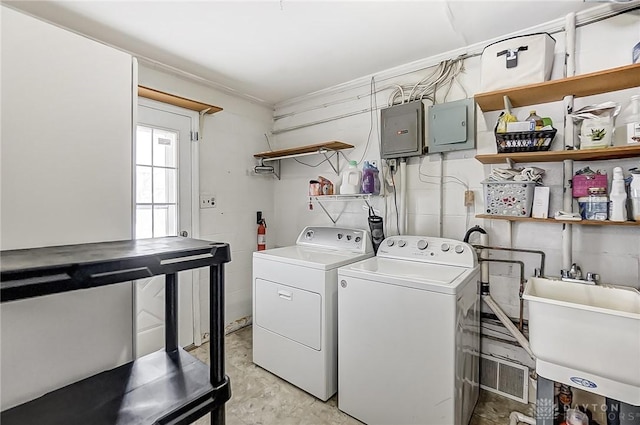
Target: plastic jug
x,y
627,131
634,193
351,178
370,179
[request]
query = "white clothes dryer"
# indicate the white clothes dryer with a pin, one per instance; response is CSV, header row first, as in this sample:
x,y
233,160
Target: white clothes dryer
x,y
295,304
409,333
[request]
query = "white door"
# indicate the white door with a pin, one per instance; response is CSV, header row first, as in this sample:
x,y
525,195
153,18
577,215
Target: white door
x,y
163,208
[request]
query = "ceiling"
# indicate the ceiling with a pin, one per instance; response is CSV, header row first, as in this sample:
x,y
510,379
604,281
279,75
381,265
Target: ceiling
x,y
274,50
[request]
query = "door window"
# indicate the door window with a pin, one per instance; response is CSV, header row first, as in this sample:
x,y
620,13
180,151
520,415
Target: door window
x,y
156,182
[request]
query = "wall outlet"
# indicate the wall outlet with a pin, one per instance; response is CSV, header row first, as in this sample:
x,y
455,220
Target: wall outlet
x,y
207,200
469,198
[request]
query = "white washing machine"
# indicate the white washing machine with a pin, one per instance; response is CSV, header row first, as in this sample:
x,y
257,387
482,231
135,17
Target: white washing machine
x,y
409,338
295,303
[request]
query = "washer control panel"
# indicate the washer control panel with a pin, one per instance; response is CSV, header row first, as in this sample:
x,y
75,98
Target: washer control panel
x,y
336,238
429,250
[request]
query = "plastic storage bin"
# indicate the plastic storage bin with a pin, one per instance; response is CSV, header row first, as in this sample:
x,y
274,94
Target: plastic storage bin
x,y
516,61
510,198
594,207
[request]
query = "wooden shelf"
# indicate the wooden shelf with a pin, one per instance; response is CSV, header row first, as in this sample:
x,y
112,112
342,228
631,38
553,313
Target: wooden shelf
x,y
556,156
621,78
174,100
303,150
553,220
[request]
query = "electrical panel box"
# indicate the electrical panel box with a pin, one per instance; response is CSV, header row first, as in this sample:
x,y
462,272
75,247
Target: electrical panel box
x,y
451,125
402,130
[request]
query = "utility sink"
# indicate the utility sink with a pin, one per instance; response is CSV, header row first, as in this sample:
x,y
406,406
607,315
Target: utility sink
x,y
586,336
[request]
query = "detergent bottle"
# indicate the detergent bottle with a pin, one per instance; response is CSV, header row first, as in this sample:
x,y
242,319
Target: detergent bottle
x,y
351,178
370,179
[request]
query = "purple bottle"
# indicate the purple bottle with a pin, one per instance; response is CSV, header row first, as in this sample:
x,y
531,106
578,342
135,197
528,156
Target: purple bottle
x,y
370,179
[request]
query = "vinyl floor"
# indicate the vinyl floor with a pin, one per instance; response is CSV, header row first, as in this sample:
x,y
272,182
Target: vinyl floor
x,y
261,398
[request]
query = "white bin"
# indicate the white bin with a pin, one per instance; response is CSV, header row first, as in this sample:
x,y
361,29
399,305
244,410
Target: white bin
x,y
517,61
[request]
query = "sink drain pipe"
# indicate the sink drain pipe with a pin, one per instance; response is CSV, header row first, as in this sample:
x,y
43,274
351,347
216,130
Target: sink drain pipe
x,y
484,283
483,257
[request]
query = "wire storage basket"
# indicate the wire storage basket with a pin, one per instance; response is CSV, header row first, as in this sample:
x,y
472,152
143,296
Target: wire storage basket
x,y
525,141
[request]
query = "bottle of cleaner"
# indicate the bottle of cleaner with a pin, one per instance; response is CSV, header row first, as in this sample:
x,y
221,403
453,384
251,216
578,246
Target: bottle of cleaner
x,y
618,196
351,178
627,130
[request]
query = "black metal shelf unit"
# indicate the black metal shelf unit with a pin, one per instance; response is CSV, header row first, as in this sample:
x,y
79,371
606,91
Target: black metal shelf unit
x,y
163,388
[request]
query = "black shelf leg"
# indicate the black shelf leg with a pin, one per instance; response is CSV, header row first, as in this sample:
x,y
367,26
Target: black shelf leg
x,y
171,313
216,326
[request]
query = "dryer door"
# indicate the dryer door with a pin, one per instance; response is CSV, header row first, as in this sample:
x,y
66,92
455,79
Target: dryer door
x,y
290,312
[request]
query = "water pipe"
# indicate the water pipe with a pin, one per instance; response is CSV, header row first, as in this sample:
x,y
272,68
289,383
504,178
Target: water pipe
x,y
539,271
521,264
486,297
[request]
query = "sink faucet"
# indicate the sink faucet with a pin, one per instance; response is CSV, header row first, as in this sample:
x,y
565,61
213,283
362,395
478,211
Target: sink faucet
x,y
575,275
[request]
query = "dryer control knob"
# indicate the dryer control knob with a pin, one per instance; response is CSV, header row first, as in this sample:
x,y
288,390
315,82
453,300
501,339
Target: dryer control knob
x,y
422,244
445,247
340,235
309,234
348,237
358,238
390,242
401,243
459,249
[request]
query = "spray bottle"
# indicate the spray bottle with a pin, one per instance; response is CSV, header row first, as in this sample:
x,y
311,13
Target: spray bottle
x,y
618,196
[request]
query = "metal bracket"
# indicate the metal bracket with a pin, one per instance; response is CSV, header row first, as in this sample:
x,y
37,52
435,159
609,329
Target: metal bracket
x,y
341,198
323,151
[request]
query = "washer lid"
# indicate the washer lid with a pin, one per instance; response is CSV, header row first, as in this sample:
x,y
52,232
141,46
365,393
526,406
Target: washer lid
x,y
425,276
316,258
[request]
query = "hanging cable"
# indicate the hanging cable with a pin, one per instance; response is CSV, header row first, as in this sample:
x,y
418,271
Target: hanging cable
x,y
443,76
373,107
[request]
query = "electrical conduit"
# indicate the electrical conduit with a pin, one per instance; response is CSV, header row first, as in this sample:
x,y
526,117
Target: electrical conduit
x,y
402,214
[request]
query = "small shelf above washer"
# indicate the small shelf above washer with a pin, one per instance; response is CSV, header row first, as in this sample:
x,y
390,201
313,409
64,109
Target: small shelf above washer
x,y
319,148
354,197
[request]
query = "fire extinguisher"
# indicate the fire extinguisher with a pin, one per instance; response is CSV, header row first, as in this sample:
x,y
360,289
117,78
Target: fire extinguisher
x,y
262,232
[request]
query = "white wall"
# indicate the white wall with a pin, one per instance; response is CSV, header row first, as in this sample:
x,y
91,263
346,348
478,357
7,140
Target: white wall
x,y
231,137
613,252
66,178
